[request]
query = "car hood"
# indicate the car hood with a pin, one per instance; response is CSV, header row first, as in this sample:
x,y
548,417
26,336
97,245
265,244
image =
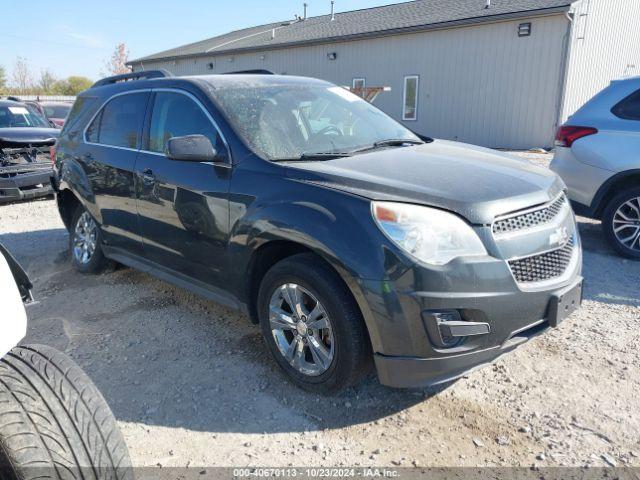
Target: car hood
x,y
25,136
477,183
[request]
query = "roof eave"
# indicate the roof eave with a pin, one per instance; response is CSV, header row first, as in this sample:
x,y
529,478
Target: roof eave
x,y
359,36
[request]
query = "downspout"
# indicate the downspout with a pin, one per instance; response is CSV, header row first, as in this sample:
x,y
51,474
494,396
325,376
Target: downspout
x,y
564,67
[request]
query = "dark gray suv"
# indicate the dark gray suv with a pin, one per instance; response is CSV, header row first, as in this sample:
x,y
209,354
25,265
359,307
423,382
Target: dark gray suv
x,y
344,235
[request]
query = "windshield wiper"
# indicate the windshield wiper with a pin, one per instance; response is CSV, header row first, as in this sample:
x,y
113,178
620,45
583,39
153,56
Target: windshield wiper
x,y
391,142
315,156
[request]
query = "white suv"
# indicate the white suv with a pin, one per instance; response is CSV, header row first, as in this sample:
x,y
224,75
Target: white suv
x,y
598,157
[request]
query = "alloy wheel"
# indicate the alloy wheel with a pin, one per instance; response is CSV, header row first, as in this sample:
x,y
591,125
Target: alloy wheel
x,y
626,224
301,329
85,239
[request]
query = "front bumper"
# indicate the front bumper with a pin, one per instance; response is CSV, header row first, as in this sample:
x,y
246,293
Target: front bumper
x,y
25,182
501,314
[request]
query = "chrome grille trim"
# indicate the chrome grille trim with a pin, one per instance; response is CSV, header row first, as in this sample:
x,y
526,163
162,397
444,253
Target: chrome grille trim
x,y
529,219
545,266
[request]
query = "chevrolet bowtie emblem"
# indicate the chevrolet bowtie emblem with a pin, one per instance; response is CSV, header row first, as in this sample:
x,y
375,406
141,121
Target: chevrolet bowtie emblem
x,y
559,237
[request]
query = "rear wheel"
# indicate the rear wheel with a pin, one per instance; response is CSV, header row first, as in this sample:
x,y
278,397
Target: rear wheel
x,y
621,223
312,325
54,423
85,243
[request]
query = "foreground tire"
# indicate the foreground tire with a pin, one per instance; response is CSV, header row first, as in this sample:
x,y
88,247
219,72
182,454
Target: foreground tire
x,y
621,223
54,423
85,244
312,325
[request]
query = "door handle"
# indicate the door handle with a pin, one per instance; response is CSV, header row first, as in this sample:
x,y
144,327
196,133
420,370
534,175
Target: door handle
x,y
148,177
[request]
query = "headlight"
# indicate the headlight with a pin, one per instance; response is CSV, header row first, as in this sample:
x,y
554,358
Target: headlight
x,y
430,235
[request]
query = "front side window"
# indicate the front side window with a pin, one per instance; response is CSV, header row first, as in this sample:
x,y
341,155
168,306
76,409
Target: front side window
x,y
119,122
281,122
629,108
410,106
177,115
20,116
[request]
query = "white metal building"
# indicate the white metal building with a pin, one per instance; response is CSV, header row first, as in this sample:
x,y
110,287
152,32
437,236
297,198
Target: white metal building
x,y
499,73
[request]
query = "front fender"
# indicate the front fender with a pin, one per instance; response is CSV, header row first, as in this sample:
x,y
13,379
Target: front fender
x,y
336,226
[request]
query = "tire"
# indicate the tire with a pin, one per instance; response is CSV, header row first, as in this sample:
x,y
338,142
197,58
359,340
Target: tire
x,y
54,423
97,262
351,348
610,219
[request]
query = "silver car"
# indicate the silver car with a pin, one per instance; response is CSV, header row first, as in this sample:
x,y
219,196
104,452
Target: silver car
x,y
598,157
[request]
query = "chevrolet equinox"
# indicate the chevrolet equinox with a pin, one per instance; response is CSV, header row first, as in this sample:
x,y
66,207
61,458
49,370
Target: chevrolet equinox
x,y
348,239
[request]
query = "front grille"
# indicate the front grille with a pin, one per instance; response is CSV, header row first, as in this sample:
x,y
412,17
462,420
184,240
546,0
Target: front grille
x,y
545,266
530,219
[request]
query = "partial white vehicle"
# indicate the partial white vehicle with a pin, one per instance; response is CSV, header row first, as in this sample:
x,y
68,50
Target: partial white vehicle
x,y
54,423
598,157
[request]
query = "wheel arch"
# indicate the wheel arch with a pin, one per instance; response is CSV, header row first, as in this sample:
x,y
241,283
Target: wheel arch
x,y
67,203
613,186
273,251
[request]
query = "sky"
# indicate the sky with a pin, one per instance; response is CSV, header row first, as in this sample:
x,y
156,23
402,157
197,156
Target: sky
x,y
74,37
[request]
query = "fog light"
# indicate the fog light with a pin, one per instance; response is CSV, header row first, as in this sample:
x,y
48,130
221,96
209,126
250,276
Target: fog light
x,y
446,329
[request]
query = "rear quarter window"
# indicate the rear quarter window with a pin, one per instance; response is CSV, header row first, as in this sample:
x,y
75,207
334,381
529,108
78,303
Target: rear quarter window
x,y
629,108
81,106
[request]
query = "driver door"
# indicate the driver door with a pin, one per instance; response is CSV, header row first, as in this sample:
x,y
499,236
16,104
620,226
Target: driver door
x,y
183,206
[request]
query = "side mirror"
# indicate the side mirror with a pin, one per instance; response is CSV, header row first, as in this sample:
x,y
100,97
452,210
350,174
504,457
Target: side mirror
x,y
191,148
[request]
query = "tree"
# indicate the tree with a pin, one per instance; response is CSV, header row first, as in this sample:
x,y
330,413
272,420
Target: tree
x,y
3,78
46,80
71,86
22,78
117,64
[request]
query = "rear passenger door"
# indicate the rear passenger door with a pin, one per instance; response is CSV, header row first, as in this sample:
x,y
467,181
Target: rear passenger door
x,y
183,206
112,142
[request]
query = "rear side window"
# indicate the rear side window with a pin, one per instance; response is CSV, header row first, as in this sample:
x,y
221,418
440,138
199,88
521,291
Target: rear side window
x,y
176,115
119,122
629,108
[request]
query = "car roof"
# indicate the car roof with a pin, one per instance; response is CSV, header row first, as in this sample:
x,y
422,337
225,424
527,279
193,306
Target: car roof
x,y
11,103
210,81
244,80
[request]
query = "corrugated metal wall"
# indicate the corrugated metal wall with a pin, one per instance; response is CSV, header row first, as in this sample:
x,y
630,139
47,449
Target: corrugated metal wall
x,y
605,46
481,84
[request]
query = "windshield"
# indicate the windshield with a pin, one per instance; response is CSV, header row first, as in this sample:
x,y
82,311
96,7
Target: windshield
x,y
20,116
289,122
56,111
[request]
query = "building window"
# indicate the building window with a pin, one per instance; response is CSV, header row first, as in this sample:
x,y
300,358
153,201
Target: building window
x,y
359,83
524,29
410,98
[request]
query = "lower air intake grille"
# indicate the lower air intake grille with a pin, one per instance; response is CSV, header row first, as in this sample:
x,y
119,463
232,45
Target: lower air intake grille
x,y
546,266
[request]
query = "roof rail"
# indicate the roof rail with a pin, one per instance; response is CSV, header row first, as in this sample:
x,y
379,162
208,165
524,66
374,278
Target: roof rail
x,y
251,72
127,77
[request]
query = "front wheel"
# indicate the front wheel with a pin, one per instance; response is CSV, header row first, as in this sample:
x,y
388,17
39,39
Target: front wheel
x,y
621,223
54,423
312,325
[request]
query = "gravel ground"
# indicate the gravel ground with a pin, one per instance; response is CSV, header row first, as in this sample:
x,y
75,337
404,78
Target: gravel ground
x,y
191,383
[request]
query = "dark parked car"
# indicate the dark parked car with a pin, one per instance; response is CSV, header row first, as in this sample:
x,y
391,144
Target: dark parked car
x,y
57,112
26,140
344,235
